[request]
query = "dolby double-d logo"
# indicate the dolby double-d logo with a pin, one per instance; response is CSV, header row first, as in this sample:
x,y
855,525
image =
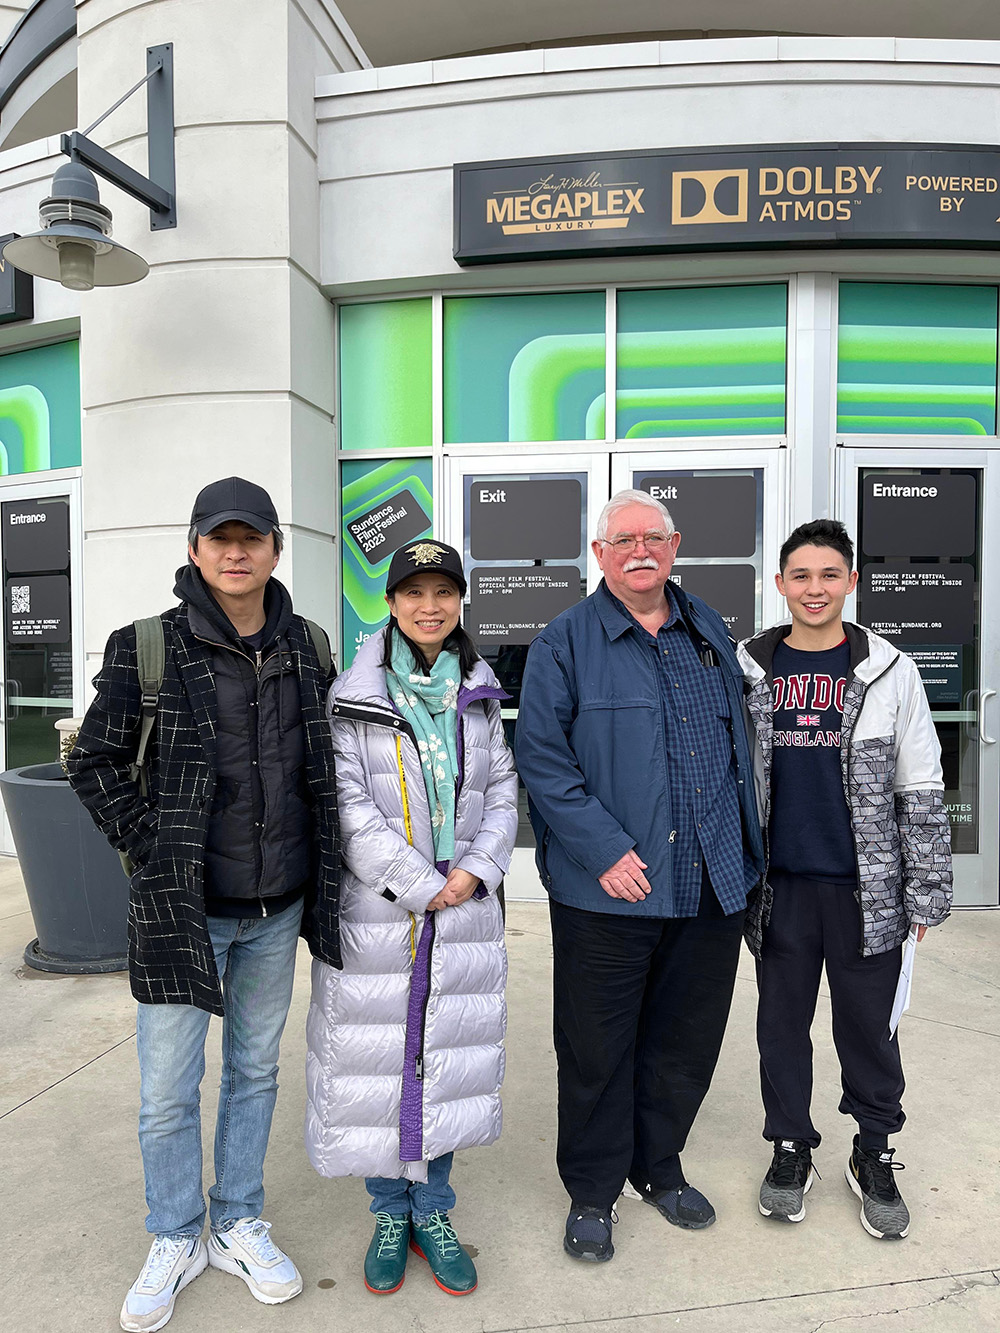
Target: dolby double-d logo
x,y
702,197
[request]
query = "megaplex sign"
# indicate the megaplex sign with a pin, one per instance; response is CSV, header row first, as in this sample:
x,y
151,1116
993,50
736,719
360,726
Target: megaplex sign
x,y
783,196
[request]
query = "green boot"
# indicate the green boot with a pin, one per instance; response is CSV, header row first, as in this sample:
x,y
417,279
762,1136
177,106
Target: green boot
x,y
434,1239
385,1262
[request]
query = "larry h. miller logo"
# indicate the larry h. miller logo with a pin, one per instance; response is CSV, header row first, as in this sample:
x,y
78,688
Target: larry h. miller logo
x,y
702,197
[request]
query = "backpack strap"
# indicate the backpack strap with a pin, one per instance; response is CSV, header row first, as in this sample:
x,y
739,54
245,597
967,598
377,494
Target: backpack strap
x,y
321,644
150,657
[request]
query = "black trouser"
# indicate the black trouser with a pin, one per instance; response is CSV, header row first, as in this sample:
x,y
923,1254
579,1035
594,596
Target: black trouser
x,y
640,1008
812,923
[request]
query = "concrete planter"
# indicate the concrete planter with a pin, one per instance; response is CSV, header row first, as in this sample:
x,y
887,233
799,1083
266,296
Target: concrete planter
x,y
76,890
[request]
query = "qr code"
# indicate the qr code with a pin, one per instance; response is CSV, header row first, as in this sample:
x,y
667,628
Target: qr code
x,y
20,598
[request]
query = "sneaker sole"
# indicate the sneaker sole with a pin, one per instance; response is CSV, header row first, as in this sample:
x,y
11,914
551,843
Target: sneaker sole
x,y
195,1270
227,1265
466,1291
588,1258
384,1291
879,1235
680,1222
789,1217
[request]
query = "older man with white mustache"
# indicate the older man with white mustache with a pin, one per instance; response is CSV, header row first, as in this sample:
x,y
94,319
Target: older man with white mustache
x,y
631,743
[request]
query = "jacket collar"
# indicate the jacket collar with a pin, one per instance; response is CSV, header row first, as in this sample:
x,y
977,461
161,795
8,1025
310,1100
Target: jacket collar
x,y
616,622
364,680
871,655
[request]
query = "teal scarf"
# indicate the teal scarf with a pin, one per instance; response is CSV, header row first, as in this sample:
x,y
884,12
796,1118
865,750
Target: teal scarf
x,y
430,705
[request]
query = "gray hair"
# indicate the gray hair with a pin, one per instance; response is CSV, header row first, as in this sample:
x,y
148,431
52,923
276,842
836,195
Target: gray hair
x,y
625,498
276,533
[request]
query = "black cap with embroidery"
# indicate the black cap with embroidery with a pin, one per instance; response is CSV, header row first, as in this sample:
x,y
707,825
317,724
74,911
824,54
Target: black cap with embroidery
x,y
425,557
233,498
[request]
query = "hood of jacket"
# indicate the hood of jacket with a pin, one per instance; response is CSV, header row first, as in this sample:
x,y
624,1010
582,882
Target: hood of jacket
x,y
871,655
208,620
364,680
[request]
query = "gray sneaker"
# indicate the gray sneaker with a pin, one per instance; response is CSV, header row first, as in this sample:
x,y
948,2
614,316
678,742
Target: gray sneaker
x,y
869,1174
170,1265
789,1179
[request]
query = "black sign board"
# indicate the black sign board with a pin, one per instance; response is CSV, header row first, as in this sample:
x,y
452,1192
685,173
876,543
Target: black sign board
x,y
730,589
511,605
725,198
940,668
35,535
919,604
17,288
387,527
525,520
908,514
716,516
37,609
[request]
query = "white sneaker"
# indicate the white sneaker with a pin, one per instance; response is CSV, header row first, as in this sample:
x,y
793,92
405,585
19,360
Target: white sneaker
x,y
169,1267
247,1251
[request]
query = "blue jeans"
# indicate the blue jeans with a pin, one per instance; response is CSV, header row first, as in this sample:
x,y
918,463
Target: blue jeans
x,y
255,958
407,1196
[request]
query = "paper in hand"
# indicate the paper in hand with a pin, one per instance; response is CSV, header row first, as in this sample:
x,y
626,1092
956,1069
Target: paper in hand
x,y
905,984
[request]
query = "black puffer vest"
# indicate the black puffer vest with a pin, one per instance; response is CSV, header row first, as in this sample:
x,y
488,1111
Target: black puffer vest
x,y
259,842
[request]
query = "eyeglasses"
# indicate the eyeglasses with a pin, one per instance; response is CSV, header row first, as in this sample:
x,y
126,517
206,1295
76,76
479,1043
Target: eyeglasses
x,y
653,541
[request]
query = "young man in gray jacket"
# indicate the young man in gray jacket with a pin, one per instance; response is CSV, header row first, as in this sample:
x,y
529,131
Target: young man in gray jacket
x,y
858,852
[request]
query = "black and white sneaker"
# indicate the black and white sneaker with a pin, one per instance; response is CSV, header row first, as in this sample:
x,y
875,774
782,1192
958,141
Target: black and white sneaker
x,y
870,1175
588,1233
789,1179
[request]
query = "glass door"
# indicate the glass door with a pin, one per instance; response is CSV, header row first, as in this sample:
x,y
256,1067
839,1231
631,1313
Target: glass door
x,y
925,524
729,507
523,523
39,673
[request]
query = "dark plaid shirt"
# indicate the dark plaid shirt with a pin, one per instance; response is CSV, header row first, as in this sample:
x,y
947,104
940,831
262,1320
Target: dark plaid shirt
x,y
705,814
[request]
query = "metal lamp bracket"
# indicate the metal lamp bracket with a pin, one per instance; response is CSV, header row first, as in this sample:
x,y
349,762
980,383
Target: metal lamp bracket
x,y
157,190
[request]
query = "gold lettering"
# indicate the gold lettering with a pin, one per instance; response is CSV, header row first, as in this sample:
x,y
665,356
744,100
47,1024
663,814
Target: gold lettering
x,y
819,182
541,206
795,174
521,207
803,210
767,213
843,210
869,177
944,203
563,208
910,180
824,210
847,180
501,210
632,204
763,184
615,201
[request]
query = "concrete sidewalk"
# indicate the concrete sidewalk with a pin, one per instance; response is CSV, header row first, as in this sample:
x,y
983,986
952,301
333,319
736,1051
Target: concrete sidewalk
x,y
72,1184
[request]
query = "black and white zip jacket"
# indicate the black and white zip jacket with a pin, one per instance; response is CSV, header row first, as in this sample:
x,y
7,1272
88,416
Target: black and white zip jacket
x,y
890,760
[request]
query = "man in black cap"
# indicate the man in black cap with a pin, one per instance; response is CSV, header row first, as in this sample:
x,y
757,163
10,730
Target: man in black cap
x,y
229,821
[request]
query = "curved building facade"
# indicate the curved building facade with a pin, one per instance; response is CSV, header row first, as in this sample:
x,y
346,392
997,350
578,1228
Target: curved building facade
x,y
474,294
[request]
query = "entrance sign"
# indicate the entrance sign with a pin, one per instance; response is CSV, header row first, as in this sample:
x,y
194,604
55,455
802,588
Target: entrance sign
x,y
725,198
36,535
904,515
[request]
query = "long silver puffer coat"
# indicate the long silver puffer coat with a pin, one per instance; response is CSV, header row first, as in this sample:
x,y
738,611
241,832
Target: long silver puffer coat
x,y
405,1045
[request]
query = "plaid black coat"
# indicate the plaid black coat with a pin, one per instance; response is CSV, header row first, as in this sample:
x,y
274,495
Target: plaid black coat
x,y
170,956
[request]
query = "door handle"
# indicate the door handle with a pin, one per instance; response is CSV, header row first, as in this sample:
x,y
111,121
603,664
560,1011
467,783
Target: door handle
x,y
983,696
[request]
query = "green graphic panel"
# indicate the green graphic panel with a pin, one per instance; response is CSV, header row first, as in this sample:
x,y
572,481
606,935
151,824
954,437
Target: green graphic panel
x,y
385,375
916,359
701,361
522,368
383,506
40,409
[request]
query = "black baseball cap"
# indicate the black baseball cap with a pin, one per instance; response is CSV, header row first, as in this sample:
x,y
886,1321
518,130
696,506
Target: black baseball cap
x,y
233,499
426,557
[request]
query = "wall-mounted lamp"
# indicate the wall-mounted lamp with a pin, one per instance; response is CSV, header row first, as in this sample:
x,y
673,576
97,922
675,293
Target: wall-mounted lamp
x,y
74,246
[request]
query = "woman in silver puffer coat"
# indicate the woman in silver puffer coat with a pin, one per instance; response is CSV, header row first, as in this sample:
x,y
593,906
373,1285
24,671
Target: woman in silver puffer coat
x,y
405,1045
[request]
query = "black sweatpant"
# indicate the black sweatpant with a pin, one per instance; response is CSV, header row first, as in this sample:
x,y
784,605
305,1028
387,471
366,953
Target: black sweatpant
x,y
640,1008
812,924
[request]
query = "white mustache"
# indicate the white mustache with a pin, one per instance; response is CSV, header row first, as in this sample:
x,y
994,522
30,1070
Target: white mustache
x,y
647,562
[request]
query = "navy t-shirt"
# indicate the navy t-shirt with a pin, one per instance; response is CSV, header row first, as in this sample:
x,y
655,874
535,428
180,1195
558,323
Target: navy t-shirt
x,y
810,829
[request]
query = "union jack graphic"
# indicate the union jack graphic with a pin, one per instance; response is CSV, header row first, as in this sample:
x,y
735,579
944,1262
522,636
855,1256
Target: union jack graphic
x,y
807,719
